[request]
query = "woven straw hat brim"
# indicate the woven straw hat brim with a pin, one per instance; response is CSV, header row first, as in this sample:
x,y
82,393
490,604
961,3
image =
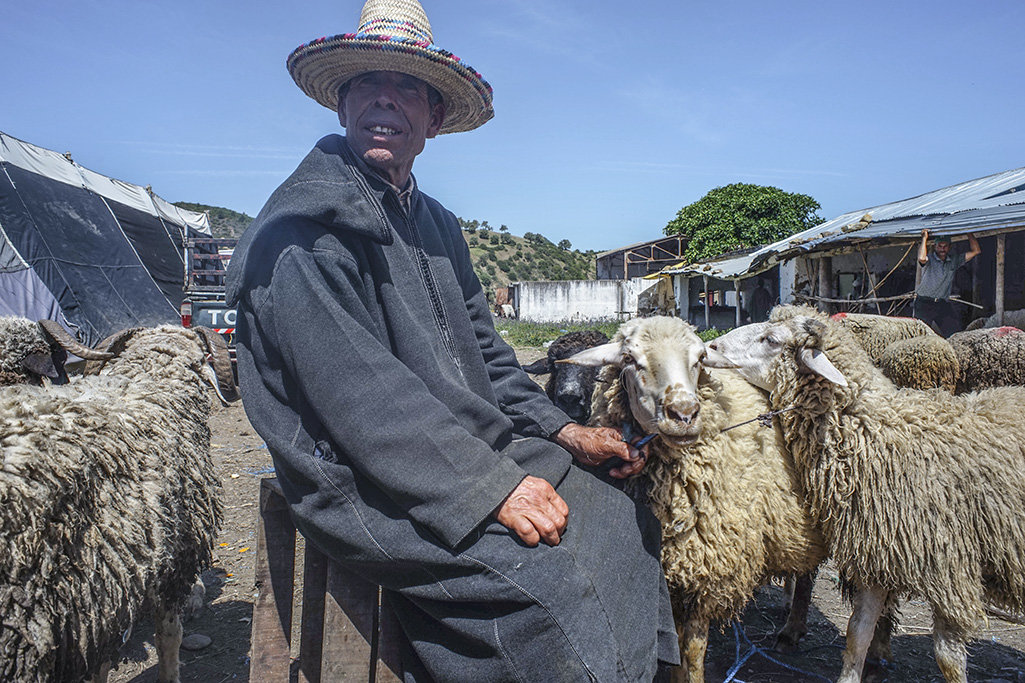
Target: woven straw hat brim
x,y
320,67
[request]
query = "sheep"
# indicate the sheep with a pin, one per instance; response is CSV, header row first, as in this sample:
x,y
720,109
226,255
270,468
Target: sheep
x,y
925,362
876,332
109,500
569,386
727,500
1010,319
917,493
31,351
989,357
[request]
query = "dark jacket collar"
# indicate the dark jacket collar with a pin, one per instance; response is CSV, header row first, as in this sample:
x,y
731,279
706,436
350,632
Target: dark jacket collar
x,y
327,188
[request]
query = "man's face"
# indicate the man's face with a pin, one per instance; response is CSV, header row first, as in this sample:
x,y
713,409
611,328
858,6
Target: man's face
x,y
387,118
942,249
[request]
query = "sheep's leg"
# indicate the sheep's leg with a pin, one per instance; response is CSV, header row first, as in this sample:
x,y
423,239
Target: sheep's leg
x,y
880,649
693,643
168,640
950,651
101,675
868,605
797,619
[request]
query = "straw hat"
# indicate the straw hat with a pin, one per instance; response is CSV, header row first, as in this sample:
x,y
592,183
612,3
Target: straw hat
x,y
393,35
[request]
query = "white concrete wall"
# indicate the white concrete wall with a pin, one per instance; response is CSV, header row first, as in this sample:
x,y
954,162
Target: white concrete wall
x,y
578,299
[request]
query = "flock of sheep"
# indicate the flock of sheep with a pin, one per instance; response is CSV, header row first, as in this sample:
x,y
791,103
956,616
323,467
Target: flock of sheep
x,y
108,496
912,492
893,452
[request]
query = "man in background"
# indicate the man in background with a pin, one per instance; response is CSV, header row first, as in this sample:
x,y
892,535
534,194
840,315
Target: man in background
x,y
932,295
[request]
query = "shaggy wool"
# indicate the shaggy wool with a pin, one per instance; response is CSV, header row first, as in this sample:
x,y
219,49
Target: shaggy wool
x,y
918,493
989,357
925,362
19,338
107,495
731,514
875,332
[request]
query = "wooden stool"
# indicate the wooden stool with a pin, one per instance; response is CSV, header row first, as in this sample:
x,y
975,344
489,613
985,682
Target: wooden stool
x,y
346,633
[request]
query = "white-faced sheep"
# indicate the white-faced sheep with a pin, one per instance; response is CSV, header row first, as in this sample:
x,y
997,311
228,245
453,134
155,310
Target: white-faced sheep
x,y
917,493
989,357
108,499
30,351
569,386
727,500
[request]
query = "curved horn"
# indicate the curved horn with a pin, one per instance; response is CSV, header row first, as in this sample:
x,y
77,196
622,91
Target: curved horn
x,y
57,333
112,345
221,362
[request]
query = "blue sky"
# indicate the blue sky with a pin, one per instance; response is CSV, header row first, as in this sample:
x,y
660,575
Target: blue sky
x,y
610,116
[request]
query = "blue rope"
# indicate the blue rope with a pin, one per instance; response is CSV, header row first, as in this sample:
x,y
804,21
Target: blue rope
x,y
739,661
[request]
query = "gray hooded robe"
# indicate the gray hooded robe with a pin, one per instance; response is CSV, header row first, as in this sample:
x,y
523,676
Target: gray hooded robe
x,y
398,420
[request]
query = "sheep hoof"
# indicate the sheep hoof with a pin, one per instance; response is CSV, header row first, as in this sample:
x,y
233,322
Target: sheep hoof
x,y
788,641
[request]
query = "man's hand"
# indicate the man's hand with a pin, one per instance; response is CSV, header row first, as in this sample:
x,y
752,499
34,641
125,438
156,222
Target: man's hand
x,y
594,445
534,512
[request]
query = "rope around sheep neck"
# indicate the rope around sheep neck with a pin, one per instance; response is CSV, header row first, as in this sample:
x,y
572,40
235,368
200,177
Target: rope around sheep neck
x,y
765,419
739,661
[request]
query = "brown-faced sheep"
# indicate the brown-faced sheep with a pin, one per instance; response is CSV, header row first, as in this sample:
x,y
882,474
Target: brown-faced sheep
x,y
727,500
109,499
30,351
569,386
917,493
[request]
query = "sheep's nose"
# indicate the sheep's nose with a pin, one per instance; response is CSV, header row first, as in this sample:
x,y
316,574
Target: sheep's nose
x,y
681,406
572,405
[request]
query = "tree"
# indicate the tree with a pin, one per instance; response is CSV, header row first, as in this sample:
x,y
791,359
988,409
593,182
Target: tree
x,y
741,215
503,228
565,245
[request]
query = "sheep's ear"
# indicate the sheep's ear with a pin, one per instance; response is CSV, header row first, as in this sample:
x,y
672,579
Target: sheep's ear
x,y
716,359
40,364
817,362
538,367
606,354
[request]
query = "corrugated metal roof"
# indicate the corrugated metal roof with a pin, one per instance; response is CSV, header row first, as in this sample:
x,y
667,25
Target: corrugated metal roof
x,y
724,269
991,203
994,202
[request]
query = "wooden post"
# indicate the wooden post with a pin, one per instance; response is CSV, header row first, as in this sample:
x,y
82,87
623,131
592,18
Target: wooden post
x,y
825,282
275,567
999,293
389,651
350,626
311,640
736,288
705,280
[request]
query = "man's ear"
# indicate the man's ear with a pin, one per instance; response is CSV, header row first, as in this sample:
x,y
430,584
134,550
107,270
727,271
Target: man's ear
x,y
437,118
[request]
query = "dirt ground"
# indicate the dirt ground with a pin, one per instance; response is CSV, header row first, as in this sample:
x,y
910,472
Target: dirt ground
x,y
242,459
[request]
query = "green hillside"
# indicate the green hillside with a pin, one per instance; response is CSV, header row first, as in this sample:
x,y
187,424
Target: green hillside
x,y
223,222
498,257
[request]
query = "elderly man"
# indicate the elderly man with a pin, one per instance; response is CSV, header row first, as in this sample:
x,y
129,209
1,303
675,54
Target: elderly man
x,y
932,295
408,441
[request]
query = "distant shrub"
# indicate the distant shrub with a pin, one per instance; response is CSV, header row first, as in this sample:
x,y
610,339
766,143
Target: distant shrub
x,y
521,333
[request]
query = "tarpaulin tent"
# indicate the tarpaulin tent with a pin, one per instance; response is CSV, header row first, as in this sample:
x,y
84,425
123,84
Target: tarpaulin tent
x,y
95,253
